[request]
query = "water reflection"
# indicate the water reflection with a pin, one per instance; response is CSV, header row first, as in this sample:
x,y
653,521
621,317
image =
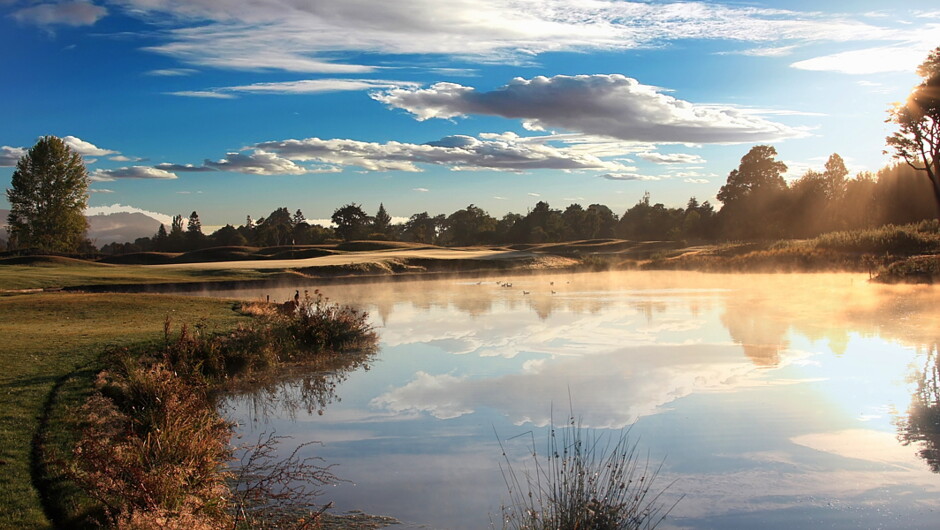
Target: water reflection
x,y
921,427
775,398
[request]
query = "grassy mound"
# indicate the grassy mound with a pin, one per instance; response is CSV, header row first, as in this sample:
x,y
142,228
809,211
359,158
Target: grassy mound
x,y
44,261
363,246
141,258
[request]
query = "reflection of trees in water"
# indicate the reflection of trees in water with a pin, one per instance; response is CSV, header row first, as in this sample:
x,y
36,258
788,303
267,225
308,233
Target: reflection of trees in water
x,y
922,424
309,388
759,329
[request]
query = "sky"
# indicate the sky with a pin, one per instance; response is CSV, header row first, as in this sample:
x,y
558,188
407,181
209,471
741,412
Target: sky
x,y
234,108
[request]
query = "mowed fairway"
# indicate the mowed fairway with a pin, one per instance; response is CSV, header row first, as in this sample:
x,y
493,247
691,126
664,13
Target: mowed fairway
x,y
46,338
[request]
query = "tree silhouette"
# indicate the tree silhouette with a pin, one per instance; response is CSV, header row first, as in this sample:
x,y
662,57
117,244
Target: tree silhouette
x,y
753,195
917,141
48,198
922,424
351,222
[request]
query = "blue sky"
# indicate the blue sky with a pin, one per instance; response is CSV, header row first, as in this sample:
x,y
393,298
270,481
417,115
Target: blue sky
x,y
238,107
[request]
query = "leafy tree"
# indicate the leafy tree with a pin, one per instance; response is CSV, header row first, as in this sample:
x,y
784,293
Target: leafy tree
x,y
470,226
228,236
351,222
834,176
754,196
48,198
420,228
917,141
758,172
176,239
275,230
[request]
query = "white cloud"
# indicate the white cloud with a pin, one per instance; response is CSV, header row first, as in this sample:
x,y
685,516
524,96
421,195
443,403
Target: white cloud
x,y
120,208
133,172
260,162
86,148
422,190
65,13
100,190
506,152
695,181
533,194
672,158
122,158
305,36
607,105
9,156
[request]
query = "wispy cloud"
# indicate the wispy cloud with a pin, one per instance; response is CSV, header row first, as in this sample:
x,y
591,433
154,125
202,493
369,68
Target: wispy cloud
x,y
608,105
770,51
61,14
421,190
303,86
172,72
630,176
133,172
312,36
672,158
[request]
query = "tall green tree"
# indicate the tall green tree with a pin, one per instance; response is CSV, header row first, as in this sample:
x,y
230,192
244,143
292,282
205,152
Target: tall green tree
x,y
754,196
48,198
917,140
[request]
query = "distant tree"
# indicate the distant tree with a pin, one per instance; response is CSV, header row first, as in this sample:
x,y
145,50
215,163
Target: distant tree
x,y
48,198
754,201
274,230
575,225
600,221
351,222
470,226
382,221
834,176
228,236
917,141
160,238
176,239
195,239
420,228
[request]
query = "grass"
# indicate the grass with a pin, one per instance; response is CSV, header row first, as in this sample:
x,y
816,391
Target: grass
x,y
51,348
151,448
585,480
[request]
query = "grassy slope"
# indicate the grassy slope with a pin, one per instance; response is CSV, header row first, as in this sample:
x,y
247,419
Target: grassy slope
x,y
69,273
47,338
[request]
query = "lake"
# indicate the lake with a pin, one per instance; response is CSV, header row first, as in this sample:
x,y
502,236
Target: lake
x,y
773,401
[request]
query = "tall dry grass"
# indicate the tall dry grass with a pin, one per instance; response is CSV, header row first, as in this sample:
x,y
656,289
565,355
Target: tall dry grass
x,y
585,480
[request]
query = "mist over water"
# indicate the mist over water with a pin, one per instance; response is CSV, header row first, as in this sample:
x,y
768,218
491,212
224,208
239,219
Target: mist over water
x,y
777,401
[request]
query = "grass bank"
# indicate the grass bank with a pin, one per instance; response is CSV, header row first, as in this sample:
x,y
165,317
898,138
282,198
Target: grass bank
x,y
51,350
151,449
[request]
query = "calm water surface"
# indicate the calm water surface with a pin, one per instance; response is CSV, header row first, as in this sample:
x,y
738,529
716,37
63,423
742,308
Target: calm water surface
x,y
777,401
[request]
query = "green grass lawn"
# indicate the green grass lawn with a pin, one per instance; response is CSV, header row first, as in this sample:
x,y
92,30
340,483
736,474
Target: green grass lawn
x,y
63,272
50,347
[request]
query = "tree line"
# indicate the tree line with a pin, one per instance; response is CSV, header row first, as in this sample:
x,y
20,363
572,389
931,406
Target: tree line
x,y
758,204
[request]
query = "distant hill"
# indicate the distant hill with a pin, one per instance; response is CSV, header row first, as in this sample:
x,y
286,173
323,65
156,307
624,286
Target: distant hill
x,y
103,229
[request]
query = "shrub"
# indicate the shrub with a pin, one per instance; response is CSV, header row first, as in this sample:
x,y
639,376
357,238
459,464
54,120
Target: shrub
x,y
586,481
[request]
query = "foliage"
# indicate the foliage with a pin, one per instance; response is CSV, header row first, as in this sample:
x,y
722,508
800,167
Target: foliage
x,y
585,481
351,221
48,197
917,140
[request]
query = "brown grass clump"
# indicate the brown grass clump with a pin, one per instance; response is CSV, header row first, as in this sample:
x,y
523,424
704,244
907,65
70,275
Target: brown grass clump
x,y
151,450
